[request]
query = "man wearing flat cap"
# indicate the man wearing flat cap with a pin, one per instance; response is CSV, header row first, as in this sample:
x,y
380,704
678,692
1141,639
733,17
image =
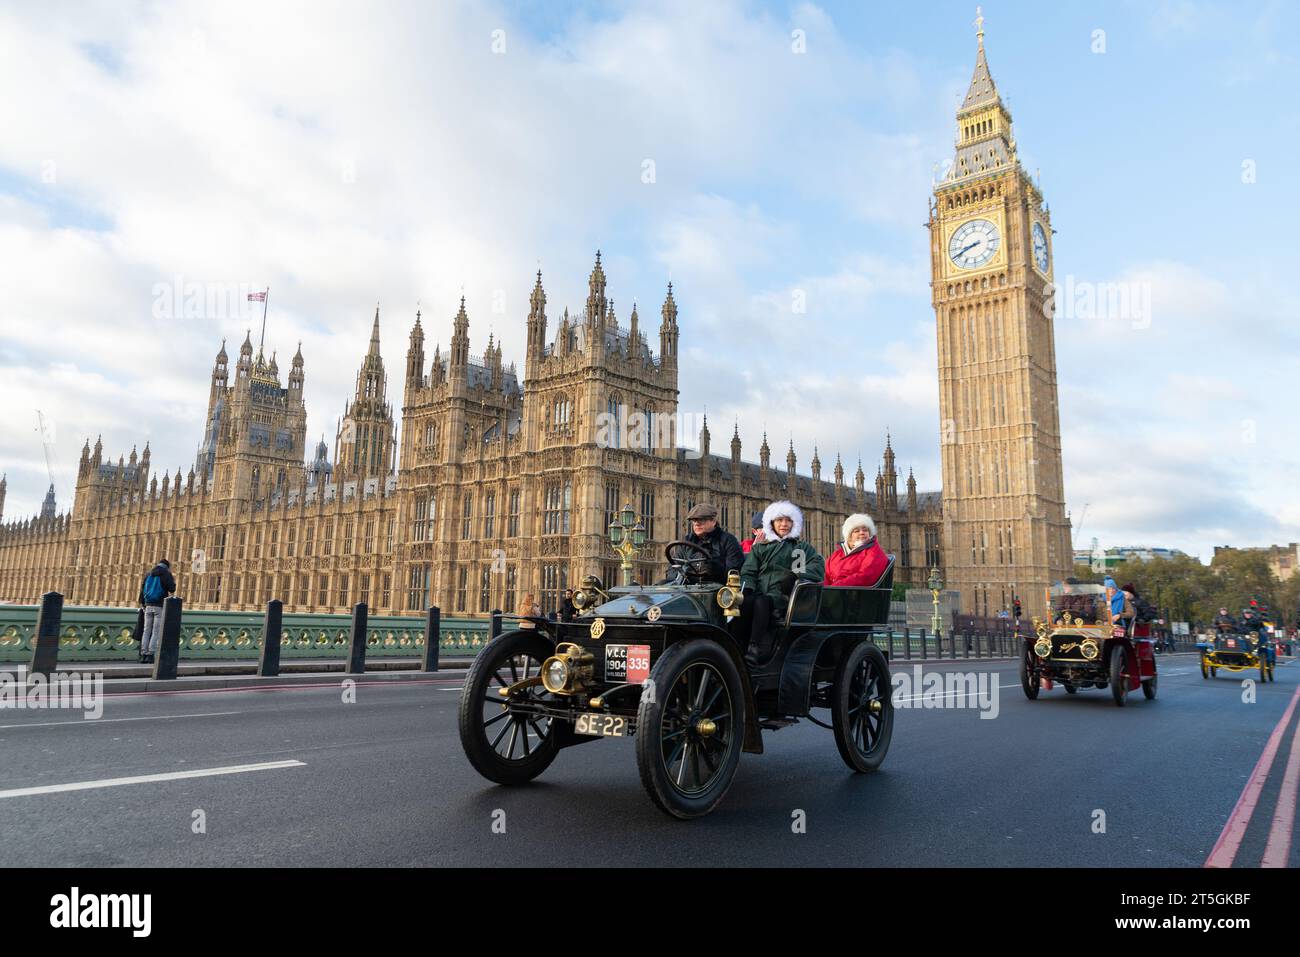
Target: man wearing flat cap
x,y
724,551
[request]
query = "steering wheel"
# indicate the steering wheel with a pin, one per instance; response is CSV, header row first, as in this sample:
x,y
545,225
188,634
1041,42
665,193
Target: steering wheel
x,y
688,558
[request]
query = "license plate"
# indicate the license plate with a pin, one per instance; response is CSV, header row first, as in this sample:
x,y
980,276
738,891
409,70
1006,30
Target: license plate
x,y
609,725
627,663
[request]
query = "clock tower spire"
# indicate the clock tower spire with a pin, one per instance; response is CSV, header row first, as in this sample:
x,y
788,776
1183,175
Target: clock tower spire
x,y
1005,529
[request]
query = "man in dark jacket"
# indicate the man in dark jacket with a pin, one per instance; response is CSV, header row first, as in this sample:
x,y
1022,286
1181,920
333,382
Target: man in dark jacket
x,y
724,551
567,608
157,585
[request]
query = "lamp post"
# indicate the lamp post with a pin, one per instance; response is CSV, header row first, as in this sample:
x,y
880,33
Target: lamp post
x,y
936,586
627,535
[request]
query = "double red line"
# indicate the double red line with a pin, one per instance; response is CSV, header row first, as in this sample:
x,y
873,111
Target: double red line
x,y
1278,849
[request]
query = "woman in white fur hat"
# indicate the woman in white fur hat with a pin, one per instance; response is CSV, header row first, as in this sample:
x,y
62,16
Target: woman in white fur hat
x,y
772,568
858,559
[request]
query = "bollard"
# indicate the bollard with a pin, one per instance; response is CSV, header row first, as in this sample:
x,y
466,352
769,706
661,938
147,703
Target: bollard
x,y
169,648
496,623
357,648
268,665
891,644
968,640
45,653
907,643
924,652
432,636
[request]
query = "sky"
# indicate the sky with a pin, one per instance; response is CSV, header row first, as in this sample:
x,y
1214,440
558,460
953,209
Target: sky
x,y
159,161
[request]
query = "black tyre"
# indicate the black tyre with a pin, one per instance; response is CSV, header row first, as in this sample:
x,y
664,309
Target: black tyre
x,y
1030,679
506,746
1149,688
1205,669
1118,683
1071,689
689,732
862,707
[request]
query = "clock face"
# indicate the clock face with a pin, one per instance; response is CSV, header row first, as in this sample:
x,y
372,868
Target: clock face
x,y
1040,247
974,244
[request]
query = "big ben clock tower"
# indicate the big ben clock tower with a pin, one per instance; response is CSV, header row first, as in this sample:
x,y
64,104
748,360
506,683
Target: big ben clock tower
x,y
1005,530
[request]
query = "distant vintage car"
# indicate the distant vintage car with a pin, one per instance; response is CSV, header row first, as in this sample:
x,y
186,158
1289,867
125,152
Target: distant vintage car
x,y
660,663
1081,646
1236,652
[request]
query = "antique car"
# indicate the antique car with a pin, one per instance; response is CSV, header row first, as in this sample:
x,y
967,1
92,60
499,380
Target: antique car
x,y
663,664
1236,652
1081,646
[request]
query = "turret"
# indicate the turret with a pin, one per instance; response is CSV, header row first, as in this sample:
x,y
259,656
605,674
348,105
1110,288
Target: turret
x,y
764,454
245,365
668,331
735,443
295,373
911,492
535,347
415,357
459,363
596,302
704,438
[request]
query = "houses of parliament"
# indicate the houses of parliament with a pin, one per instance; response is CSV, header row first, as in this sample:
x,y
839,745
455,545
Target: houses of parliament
x,y
502,485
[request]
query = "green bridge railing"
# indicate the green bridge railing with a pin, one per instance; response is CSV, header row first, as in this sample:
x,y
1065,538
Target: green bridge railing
x,y
104,634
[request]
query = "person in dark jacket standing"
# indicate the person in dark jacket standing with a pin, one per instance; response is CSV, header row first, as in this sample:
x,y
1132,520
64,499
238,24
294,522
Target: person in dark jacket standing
x,y
567,608
723,548
157,585
755,533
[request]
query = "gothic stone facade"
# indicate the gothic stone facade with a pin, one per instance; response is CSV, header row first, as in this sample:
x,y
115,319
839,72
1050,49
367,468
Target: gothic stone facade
x,y
501,488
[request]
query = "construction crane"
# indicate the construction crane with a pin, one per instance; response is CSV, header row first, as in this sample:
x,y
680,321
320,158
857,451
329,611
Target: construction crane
x,y
1082,515
45,443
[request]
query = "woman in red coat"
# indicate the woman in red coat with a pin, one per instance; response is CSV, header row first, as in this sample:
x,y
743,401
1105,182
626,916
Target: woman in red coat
x,y
859,559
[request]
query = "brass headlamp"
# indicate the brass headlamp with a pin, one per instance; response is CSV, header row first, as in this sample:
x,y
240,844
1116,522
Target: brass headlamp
x,y
568,670
729,595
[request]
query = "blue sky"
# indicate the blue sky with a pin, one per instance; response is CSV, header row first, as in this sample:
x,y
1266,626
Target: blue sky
x,y
347,157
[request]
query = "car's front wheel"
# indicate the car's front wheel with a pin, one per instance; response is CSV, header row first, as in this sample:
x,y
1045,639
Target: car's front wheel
x,y
862,707
505,742
1030,678
1118,682
690,728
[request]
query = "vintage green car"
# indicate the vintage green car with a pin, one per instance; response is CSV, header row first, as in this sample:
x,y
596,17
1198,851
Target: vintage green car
x,y
662,664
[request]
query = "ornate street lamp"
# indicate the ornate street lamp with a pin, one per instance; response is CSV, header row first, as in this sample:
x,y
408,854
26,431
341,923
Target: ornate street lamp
x,y
936,585
626,535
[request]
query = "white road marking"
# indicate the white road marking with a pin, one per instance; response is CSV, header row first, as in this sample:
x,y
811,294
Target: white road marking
x,y
93,721
150,778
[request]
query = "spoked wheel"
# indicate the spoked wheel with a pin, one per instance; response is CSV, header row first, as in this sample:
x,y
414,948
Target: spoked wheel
x,y
691,729
1118,683
505,745
862,707
1030,679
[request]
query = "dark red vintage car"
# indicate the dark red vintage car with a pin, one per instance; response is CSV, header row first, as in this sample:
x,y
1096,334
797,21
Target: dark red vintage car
x,y
1082,646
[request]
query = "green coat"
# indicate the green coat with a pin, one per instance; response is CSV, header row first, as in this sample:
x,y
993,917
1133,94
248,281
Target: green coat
x,y
768,568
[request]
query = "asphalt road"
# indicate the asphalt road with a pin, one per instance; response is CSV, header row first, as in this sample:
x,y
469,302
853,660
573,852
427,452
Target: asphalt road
x,y
383,782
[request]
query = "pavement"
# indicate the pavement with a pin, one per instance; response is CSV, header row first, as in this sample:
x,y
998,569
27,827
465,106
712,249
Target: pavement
x,y
374,775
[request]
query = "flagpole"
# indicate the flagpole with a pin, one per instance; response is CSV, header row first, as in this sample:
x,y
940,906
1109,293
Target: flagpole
x,y
266,297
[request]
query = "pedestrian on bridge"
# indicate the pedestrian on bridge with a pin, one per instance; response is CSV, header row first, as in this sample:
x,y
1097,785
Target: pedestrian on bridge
x,y
157,585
